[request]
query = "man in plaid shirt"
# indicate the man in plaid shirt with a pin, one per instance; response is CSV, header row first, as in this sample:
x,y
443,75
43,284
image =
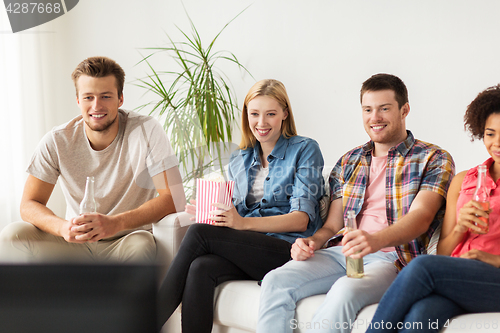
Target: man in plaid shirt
x,y
396,185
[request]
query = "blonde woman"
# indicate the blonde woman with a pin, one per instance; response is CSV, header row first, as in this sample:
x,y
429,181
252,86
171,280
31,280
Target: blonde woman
x,y
278,184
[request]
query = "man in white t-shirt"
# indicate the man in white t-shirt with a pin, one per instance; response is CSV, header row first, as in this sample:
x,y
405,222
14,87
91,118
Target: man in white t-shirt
x,y
131,160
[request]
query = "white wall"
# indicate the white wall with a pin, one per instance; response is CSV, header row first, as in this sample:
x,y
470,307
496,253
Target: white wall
x,y
446,52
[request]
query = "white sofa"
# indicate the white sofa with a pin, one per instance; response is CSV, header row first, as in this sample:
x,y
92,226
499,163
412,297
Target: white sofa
x,y
236,303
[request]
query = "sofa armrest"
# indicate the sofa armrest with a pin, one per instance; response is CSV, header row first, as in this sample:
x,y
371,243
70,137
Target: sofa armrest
x,y
168,234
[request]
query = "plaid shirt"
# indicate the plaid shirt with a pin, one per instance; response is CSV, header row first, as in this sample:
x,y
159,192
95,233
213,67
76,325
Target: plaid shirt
x,y
412,166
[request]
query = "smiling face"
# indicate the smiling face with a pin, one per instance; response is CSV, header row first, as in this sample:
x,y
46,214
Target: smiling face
x,y
492,136
99,102
265,117
383,120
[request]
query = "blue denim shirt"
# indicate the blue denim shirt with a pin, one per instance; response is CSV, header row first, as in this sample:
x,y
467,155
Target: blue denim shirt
x,y
294,182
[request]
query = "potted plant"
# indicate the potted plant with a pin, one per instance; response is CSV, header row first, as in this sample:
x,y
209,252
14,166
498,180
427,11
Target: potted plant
x,y
196,103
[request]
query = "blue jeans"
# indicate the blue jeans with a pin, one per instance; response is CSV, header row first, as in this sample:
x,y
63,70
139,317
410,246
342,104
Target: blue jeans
x,y
433,289
325,273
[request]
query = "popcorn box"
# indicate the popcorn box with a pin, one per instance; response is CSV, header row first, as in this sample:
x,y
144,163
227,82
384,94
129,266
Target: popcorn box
x,y
209,192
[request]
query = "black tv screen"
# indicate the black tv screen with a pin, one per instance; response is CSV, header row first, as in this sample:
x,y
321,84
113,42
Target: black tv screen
x,y
78,298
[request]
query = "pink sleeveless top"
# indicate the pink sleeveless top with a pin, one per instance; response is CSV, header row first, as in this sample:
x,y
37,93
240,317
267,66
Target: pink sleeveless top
x,y
489,242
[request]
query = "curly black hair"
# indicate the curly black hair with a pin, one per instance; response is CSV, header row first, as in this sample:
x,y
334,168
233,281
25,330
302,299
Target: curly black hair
x,y
478,111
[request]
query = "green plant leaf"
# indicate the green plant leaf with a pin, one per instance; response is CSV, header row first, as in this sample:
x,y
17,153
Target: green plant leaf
x,y
196,103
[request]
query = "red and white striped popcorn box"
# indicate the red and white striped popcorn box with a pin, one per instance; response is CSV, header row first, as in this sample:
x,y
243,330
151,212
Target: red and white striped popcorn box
x,y
209,192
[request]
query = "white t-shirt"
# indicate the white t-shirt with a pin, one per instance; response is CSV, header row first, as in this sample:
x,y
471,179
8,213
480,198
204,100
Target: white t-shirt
x,y
122,171
256,193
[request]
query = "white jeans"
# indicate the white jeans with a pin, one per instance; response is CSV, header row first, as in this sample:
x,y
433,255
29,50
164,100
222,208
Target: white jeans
x,y
325,273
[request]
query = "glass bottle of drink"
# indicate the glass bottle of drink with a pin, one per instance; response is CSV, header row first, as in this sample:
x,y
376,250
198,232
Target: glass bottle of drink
x,y
88,204
482,195
354,267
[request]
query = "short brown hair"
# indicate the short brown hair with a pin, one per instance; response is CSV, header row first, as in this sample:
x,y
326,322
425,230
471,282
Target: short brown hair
x,y
486,103
100,67
383,81
276,90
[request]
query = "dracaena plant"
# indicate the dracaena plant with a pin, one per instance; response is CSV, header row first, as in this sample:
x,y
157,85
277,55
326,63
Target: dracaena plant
x,y
196,102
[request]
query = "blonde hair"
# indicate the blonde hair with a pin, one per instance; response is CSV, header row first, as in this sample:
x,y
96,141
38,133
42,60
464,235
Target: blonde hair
x,y
274,89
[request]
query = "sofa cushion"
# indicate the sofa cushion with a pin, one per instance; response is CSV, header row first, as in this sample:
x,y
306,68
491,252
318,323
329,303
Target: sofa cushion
x,y
237,304
364,318
472,323
305,311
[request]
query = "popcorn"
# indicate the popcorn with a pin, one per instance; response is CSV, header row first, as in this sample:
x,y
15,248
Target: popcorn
x,y
215,177
209,192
